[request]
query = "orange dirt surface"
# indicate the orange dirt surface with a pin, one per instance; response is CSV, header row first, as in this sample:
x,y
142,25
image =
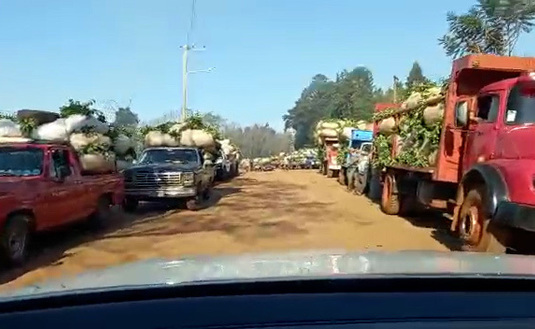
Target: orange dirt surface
x,y
259,211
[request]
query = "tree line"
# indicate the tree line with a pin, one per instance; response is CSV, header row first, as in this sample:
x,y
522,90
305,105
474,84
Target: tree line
x,y
489,26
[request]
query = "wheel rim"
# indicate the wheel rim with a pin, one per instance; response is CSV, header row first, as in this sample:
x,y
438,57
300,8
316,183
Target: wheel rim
x,y
387,189
470,225
17,242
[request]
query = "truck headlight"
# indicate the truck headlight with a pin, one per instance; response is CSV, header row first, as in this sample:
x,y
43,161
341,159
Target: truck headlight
x,y
189,178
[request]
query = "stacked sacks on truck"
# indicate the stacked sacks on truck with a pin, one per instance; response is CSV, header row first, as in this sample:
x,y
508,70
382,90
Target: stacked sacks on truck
x,y
191,133
415,132
91,138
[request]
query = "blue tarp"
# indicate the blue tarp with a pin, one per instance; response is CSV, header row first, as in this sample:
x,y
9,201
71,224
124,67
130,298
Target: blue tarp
x,y
362,135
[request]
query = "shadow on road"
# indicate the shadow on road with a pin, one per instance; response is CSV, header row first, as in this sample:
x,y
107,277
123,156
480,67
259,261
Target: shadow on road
x,y
51,248
264,209
440,226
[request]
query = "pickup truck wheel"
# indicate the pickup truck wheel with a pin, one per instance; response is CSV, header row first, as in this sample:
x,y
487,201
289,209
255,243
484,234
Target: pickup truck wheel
x,y
102,214
207,193
130,205
192,204
389,199
476,231
14,239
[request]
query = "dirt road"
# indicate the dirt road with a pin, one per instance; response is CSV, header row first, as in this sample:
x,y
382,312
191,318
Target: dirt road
x,y
267,211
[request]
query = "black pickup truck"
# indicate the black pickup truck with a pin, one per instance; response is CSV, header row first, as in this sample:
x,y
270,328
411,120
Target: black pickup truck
x,y
169,174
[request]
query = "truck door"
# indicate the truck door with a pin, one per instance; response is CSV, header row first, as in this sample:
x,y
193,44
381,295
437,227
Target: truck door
x,y
454,140
65,196
483,130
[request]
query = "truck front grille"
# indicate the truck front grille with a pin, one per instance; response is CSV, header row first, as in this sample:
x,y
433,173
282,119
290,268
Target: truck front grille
x,y
147,179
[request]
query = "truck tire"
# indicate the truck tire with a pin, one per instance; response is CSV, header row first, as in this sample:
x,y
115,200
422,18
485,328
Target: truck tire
x,y
361,183
390,201
102,214
207,193
476,230
14,239
330,173
130,205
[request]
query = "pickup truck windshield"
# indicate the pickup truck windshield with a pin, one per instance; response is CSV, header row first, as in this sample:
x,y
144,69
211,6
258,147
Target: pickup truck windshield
x,y
21,161
169,156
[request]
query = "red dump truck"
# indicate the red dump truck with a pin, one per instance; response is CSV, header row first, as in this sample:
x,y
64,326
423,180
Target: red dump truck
x,y
42,187
485,168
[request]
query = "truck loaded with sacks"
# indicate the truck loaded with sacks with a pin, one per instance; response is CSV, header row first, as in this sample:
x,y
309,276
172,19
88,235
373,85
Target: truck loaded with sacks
x,y
464,147
331,136
177,164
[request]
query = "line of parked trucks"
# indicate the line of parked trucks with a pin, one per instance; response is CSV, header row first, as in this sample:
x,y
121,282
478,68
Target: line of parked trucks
x,y
44,185
483,166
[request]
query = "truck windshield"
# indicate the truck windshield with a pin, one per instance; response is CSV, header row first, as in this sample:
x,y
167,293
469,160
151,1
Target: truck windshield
x,y
520,105
169,156
21,161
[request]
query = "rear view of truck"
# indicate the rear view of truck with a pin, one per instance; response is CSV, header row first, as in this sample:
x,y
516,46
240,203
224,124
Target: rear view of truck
x,y
463,147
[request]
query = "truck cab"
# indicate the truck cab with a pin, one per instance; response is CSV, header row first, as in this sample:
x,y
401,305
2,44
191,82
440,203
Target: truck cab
x,y
169,174
43,187
485,168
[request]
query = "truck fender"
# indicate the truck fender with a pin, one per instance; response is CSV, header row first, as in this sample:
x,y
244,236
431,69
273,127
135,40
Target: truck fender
x,y
490,176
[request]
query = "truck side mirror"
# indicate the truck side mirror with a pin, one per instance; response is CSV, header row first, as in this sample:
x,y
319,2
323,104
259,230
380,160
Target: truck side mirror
x,y
461,114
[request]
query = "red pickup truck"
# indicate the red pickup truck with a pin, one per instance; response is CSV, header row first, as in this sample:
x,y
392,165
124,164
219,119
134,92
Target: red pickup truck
x,y
42,187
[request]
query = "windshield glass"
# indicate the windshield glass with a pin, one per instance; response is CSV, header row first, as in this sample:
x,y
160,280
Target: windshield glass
x,y
520,105
20,162
169,156
206,127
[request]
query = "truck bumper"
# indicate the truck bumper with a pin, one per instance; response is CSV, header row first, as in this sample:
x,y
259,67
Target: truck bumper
x,y
169,192
515,215
334,167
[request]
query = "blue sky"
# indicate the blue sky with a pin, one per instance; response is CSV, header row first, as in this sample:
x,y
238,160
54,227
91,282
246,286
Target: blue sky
x,y
264,51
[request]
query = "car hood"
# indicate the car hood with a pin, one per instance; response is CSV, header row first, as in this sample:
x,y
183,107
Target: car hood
x,y
164,167
309,265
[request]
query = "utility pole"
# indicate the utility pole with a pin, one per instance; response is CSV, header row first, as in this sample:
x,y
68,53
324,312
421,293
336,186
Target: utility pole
x,y
185,50
395,88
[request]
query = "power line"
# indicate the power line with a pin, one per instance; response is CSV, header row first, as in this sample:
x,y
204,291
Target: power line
x,y
192,20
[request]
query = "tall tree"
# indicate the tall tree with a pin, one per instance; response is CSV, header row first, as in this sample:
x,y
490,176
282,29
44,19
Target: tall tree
x,y
490,26
415,75
125,117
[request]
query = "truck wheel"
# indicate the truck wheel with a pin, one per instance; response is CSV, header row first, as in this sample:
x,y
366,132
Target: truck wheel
x,y
207,193
14,240
330,173
475,228
102,214
130,205
389,199
361,183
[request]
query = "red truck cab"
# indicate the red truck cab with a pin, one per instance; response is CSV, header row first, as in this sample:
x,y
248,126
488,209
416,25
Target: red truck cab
x,y
485,170
43,187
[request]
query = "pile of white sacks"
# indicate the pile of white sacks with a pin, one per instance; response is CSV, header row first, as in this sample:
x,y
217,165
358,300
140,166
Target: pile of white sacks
x,y
98,153
179,136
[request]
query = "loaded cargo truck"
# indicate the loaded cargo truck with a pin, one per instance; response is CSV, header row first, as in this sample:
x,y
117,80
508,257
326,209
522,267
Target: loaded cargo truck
x,y
330,165
361,142
484,171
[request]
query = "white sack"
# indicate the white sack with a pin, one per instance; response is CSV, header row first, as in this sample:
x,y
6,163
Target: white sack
x,y
4,140
433,114
413,101
387,126
79,140
361,125
122,144
54,131
76,122
97,163
329,125
9,128
327,132
347,132
123,164
157,138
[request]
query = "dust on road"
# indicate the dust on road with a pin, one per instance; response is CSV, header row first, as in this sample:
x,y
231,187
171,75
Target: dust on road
x,y
265,211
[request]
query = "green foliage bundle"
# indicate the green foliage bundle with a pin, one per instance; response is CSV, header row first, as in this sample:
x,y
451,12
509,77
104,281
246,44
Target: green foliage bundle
x,y
418,139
